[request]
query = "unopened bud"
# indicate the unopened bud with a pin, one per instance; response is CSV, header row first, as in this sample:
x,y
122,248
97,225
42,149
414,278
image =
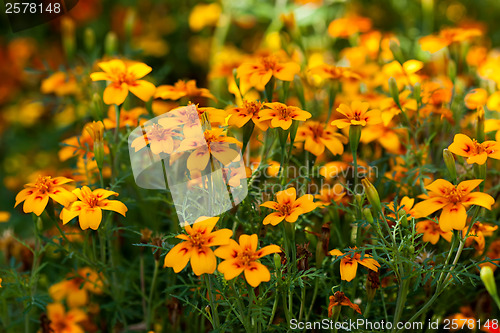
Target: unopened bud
x,y
488,278
89,39
480,135
393,90
372,195
452,70
403,219
277,261
368,215
449,161
68,36
111,43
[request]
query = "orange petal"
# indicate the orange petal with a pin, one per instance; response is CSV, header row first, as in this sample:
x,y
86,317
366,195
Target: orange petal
x,y
142,89
248,242
429,206
35,203
115,93
452,217
348,269
273,218
255,273
178,256
114,205
462,145
90,217
219,237
479,199
231,268
139,70
267,250
203,261
229,251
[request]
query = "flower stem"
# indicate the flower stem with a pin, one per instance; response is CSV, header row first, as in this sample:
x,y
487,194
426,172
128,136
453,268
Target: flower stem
x,y
149,315
213,306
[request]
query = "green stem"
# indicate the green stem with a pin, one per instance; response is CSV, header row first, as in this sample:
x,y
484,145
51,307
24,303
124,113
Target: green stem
x,y
150,311
401,301
213,306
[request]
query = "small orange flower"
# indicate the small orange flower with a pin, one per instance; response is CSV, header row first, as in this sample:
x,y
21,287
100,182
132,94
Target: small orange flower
x,y
65,322
349,263
434,43
182,89
357,114
476,98
337,300
196,247
127,118
475,152
477,235
329,194
282,115
453,200
432,232
288,207
89,207
242,115
36,195
76,287
257,73
124,78
243,257
347,26
317,137
326,71
159,138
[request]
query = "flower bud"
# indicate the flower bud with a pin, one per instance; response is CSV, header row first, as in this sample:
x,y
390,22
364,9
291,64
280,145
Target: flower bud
x,y
89,39
403,219
111,43
39,224
96,132
68,36
367,213
393,90
452,70
449,161
480,135
277,261
488,278
417,91
372,195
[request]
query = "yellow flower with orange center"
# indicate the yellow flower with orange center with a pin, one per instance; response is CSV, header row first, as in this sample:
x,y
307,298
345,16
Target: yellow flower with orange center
x,y
76,287
182,89
89,207
432,232
357,114
453,200
124,78
127,118
257,73
248,111
474,151
65,322
196,247
282,115
316,137
288,207
243,257
36,195
349,263
159,138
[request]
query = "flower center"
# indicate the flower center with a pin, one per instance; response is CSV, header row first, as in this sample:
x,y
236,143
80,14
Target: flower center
x,y
285,209
357,115
198,239
43,183
252,108
247,257
92,200
455,195
269,62
317,130
284,112
158,133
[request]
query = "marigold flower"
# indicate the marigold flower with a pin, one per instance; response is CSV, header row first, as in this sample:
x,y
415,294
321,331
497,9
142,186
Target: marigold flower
x,y
317,137
349,263
257,73
89,207
243,257
159,138
182,89
476,98
282,115
357,114
475,152
203,15
127,118
76,287
477,235
453,200
124,78
61,84
36,195
434,43
331,72
249,111
347,26
337,300
288,207
65,322
329,194
432,232
196,247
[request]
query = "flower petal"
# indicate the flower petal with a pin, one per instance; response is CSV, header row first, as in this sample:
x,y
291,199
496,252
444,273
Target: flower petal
x,y
203,261
114,205
115,93
348,269
90,217
255,273
142,89
231,268
452,217
178,256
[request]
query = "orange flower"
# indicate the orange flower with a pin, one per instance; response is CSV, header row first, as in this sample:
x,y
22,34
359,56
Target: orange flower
x,y
434,43
242,115
432,232
282,115
124,78
159,138
405,204
76,287
196,247
65,322
349,263
317,137
257,73
326,71
337,300
453,200
475,152
288,207
329,194
61,84
357,114
127,118
36,195
182,89
89,207
243,257
347,26
477,233
476,98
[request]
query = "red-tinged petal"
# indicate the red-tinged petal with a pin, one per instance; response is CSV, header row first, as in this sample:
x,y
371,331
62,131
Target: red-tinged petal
x,y
345,110
178,256
440,187
373,117
270,204
198,159
224,154
479,199
62,196
286,196
452,217
348,269
283,123
23,195
335,253
370,263
249,242
103,194
293,215
139,70
90,217
462,145
60,180
306,203
231,268
478,159
429,206
203,261
255,273
114,205
36,203
229,251
286,71
142,89
219,237
204,224
267,250
468,185
115,93
273,218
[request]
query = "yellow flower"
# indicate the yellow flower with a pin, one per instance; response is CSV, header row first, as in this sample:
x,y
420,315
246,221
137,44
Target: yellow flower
x,y
475,152
243,257
89,207
476,98
434,43
288,206
258,72
36,195
127,118
326,71
61,84
477,233
347,26
4,216
124,78
159,138
182,89
282,115
203,15
196,247
453,200
75,288
432,232
329,194
65,322
349,263
357,114
249,111
317,137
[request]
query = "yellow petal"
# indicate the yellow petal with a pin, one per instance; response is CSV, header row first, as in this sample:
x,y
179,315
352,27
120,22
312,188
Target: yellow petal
x,y
248,242
90,217
35,203
479,199
348,269
462,145
231,268
255,273
178,256
429,206
267,250
115,94
452,217
219,237
273,218
114,205
139,70
142,89
229,251
203,261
